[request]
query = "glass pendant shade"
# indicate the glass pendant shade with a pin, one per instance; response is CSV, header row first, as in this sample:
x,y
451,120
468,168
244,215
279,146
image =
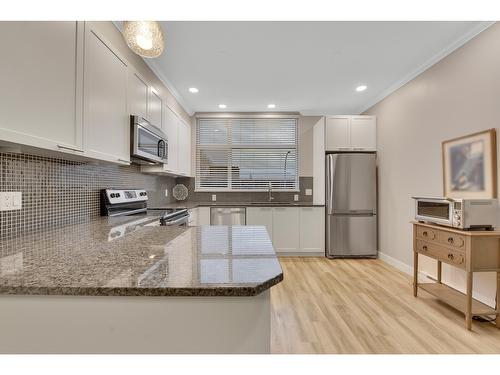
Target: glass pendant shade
x,y
144,37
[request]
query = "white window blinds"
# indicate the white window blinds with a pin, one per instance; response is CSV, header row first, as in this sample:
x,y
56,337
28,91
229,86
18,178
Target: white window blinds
x,y
246,154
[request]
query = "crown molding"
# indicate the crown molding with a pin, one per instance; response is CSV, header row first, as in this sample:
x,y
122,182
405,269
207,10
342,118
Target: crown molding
x,y
427,64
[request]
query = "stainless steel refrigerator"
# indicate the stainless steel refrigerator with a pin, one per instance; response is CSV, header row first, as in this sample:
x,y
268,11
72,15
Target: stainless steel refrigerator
x,y
351,205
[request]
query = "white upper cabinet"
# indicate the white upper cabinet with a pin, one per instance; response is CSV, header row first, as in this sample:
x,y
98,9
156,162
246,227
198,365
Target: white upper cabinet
x,y
106,118
364,133
40,84
155,108
171,128
138,93
337,133
351,133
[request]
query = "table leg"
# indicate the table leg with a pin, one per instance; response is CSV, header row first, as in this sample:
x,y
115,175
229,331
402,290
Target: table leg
x,y
468,308
498,300
415,273
439,267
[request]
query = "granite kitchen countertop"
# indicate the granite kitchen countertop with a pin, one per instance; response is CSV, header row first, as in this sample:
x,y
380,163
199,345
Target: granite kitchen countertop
x,y
134,256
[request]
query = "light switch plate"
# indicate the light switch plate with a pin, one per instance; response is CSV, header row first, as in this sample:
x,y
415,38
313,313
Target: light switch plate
x,y
214,197
309,191
296,197
11,200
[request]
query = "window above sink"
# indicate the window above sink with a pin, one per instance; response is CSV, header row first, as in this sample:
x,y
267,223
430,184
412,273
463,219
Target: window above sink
x,y
247,154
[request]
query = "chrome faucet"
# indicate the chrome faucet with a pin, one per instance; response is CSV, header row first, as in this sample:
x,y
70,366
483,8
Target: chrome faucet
x,y
270,192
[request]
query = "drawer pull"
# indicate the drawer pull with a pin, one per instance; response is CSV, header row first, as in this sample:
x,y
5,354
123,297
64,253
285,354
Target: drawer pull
x,y
424,233
450,256
424,248
450,240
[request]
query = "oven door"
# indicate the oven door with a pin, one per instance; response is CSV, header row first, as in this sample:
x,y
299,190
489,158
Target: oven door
x,y
439,211
148,145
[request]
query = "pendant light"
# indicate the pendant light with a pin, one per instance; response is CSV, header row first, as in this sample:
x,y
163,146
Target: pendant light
x,y
145,38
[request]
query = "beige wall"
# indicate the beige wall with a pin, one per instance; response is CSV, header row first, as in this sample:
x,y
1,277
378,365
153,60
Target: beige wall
x,y
306,124
457,96
115,38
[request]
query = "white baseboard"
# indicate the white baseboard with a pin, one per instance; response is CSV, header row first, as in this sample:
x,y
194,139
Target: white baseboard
x,y
425,277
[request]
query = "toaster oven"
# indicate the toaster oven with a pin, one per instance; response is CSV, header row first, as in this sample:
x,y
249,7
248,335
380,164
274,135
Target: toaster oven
x,y
457,213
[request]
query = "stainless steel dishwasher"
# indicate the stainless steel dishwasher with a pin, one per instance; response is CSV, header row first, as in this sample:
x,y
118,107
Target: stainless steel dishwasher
x,y
228,216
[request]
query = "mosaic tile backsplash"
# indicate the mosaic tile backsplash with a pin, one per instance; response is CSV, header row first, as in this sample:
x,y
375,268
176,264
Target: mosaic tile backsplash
x,y
59,192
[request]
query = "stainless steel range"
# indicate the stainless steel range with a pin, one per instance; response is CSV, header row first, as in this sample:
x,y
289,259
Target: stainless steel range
x,y
127,202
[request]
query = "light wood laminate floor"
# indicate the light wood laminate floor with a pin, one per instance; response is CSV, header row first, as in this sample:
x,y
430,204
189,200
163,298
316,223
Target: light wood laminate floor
x,y
365,306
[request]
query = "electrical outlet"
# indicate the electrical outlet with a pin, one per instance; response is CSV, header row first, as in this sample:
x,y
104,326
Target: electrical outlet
x,y
11,200
166,192
214,197
309,191
296,197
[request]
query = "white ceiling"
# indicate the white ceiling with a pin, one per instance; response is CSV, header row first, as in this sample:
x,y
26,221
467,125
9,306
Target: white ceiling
x,y
308,67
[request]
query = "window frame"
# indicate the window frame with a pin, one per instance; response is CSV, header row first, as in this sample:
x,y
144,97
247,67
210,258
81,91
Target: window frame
x,y
230,146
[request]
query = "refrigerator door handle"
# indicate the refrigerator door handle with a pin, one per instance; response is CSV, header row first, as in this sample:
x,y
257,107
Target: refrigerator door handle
x,y
330,172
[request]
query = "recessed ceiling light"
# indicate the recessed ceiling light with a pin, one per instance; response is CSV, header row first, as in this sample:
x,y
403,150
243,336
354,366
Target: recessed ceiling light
x,y
361,88
194,90
222,106
271,106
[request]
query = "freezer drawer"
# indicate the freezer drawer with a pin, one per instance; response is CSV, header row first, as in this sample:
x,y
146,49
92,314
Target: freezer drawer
x,y
351,236
228,216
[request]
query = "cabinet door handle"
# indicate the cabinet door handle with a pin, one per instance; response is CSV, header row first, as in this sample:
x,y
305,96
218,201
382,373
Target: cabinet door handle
x,y
450,256
450,240
424,248
69,148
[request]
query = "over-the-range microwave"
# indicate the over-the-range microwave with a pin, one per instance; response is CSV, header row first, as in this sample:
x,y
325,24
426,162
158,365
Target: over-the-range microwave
x,y
457,213
148,143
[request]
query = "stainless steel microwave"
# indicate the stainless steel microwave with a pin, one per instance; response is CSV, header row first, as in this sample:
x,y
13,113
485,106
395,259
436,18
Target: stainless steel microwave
x,y
148,143
457,213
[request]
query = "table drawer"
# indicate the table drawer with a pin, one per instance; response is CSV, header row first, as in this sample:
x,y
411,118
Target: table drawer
x,y
451,239
427,234
441,253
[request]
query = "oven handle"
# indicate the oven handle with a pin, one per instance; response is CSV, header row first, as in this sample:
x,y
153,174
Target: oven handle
x,y
168,223
122,213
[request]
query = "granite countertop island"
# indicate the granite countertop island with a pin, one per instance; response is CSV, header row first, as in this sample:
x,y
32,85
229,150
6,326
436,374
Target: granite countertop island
x,y
127,285
134,256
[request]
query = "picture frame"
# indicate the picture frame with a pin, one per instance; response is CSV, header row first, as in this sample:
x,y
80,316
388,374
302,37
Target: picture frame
x,y
470,166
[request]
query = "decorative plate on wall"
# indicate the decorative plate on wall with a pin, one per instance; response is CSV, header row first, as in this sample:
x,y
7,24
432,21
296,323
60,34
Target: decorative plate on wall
x,y
180,192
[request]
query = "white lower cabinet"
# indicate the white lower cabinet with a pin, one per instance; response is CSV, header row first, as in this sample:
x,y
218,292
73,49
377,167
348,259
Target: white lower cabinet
x,y
286,227
293,230
312,230
261,216
203,216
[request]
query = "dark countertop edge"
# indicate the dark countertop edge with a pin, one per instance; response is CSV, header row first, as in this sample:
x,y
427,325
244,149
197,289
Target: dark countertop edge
x,y
232,204
215,291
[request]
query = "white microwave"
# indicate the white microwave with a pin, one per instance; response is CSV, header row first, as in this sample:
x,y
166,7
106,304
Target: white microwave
x,y
457,213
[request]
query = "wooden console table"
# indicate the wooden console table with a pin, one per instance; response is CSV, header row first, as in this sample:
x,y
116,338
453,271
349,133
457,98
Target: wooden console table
x,y
472,251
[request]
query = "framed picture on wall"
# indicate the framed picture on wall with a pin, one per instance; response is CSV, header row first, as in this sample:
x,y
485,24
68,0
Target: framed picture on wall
x,y
470,166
